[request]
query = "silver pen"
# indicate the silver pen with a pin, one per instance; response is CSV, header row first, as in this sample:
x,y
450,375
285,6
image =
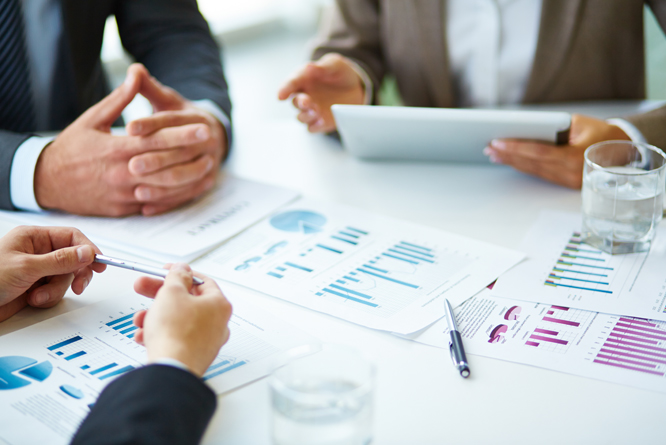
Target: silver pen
x,y
150,270
455,343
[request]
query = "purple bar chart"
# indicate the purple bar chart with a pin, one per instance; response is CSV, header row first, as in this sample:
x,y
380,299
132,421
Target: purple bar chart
x,y
635,344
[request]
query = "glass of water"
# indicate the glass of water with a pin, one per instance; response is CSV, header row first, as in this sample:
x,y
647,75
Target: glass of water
x,y
623,195
323,399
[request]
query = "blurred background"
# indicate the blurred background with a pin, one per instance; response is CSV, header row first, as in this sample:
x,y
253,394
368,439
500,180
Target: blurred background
x,y
264,41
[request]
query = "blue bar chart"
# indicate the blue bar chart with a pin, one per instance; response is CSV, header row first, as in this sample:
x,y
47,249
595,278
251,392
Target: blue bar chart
x,y
124,325
581,267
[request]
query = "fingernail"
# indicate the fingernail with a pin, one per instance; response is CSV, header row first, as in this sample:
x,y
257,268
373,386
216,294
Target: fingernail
x,y
148,210
487,151
129,81
180,266
41,298
137,127
202,134
311,113
85,284
84,254
317,125
143,194
500,145
495,160
209,164
138,166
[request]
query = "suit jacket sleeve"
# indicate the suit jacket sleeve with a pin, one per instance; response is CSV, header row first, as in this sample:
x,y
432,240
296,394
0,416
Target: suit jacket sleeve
x,y
156,404
352,28
172,39
653,124
9,143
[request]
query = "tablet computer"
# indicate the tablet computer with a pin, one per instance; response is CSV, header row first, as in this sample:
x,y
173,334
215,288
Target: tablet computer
x,y
441,134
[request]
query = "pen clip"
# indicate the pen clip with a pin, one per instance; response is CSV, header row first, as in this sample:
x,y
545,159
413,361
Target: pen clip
x,y
453,358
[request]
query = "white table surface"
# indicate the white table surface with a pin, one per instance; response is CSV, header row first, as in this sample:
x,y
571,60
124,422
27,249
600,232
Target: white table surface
x,y
420,399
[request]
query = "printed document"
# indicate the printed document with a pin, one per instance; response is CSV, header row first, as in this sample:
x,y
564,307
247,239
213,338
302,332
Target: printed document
x,y
51,373
182,234
563,270
626,350
371,270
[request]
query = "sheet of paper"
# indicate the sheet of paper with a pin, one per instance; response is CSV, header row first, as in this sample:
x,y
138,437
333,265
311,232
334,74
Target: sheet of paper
x,y
626,350
180,235
372,270
561,270
51,372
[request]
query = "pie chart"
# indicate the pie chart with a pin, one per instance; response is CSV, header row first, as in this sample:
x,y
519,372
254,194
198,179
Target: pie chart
x,y
299,221
512,313
497,332
14,369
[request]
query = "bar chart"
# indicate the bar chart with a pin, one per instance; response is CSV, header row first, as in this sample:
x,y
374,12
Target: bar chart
x,y
124,325
581,267
87,353
558,328
634,344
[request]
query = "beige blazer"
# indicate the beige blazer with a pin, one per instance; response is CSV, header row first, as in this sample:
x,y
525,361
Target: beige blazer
x,y
588,50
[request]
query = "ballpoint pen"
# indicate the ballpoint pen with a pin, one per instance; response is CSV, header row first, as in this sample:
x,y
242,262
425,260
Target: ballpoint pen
x,y
150,270
455,343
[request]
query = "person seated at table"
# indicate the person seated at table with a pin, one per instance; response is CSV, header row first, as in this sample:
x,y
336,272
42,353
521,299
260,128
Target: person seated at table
x,y
483,53
183,331
52,79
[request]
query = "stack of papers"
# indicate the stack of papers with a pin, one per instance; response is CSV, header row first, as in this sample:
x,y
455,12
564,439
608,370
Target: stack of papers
x,y
60,366
181,235
572,308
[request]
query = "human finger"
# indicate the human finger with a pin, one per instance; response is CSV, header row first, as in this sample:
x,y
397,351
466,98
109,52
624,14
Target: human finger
x,y
181,174
108,110
154,161
164,119
527,149
304,102
173,195
551,170
321,126
51,293
12,307
293,85
148,287
139,318
82,279
138,336
60,261
309,117
165,139
178,278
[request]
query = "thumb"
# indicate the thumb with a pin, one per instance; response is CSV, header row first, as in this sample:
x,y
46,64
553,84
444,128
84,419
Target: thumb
x,y
179,277
61,261
108,110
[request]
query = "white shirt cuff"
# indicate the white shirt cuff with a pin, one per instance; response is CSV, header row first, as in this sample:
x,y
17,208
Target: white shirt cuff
x,y
367,83
171,362
22,174
212,108
634,134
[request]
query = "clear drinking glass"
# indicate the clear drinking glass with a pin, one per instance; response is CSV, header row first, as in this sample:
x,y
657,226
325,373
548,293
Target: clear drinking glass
x,y
623,195
323,399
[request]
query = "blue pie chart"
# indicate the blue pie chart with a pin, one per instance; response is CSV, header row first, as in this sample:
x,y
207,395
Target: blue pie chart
x,y
299,221
14,369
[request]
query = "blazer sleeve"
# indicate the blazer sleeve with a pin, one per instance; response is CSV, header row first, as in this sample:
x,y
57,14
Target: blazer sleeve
x,y
156,404
352,28
172,39
9,143
653,123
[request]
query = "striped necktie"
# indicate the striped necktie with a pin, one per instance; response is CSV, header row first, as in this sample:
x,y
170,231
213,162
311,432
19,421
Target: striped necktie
x,y
16,107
